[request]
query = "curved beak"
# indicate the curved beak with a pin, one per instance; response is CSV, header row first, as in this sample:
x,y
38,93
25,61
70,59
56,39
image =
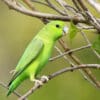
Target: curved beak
x,y
65,30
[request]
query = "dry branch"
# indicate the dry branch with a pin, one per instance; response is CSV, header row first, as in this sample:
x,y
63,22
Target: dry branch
x,y
23,10
66,69
95,4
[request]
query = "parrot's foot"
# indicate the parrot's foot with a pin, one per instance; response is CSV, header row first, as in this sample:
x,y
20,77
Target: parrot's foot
x,y
38,82
45,78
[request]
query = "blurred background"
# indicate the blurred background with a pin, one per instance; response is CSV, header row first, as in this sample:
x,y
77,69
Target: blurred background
x,y
16,31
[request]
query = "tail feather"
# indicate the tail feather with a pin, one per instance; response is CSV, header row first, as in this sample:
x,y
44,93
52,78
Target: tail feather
x,y
9,92
14,84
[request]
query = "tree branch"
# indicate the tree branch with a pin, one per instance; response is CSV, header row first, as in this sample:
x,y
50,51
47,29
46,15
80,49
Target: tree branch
x,y
70,51
93,21
66,69
36,14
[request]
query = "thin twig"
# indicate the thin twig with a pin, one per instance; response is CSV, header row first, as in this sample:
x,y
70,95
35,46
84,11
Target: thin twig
x,y
89,16
55,8
65,6
95,4
76,5
61,3
72,64
87,40
28,2
70,51
65,57
40,2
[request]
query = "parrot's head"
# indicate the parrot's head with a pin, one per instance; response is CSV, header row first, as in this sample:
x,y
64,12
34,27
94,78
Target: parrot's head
x,y
56,29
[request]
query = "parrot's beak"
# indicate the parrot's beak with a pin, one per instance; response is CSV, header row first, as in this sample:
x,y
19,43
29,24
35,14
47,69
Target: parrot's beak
x,y
65,30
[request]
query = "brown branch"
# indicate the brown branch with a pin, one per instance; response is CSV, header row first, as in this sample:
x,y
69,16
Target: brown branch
x,y
95,4
65,57
37,14
40,2
87,72
66,6
28,2
76,5
60,72
93,21
69,51
55,8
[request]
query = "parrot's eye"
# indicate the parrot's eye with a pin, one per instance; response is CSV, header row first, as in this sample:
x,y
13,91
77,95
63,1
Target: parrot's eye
x,y
58,26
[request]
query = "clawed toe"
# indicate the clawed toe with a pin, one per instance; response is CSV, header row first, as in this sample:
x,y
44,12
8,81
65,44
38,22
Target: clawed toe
x,y
44,78
38,82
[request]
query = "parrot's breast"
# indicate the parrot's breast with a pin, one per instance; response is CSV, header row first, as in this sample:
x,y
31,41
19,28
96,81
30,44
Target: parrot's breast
x,y
44,57
39,63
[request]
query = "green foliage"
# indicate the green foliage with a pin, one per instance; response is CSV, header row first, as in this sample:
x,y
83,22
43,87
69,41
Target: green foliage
x,y
73,30
96,44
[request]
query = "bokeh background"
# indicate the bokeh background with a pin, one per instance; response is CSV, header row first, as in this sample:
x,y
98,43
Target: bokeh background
x,y
16,31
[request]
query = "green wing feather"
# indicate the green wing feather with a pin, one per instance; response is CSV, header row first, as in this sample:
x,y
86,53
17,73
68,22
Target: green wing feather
x,y
31,52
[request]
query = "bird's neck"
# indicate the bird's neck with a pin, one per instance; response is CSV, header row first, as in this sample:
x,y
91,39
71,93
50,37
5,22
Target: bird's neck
x,y
47,35
47,40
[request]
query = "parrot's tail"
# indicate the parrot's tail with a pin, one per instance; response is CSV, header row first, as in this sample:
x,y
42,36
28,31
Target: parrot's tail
x,y
14,84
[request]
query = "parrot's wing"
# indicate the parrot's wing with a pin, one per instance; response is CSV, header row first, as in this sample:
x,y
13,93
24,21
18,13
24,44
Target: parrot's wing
x,y
31,52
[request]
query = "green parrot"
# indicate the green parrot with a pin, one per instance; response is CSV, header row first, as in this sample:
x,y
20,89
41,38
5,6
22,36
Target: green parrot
x,y
37,53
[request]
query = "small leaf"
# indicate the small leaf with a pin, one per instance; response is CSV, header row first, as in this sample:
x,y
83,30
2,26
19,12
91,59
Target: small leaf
x,y
96,45
73,30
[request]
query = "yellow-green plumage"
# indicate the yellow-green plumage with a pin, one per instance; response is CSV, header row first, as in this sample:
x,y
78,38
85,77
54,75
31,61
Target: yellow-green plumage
x,y
36,54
